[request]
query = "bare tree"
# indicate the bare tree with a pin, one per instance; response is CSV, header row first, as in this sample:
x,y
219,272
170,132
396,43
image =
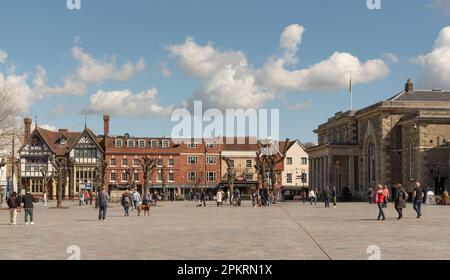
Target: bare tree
x,y
267,159
148,165
61,166
231,174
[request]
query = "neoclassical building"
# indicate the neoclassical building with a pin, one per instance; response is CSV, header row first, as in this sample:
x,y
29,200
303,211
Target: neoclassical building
x,y
399,140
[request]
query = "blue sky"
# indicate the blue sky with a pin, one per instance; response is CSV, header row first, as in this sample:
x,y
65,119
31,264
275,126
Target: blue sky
x,y
116,32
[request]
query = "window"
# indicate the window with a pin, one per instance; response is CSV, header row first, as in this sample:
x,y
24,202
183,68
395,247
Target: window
x,y
210,145
130,143
85,153
124,162
159,176
136,162
154,143
141,143
288,161
411,161
192,176
165,143
211,160
62,141
211,176
232,163
192,145
113,176
37,186
171,177
248,177
159,162
118,143
248,163
304,161
170,162
192,159
372,163
136,176
112,162
124,176
289,178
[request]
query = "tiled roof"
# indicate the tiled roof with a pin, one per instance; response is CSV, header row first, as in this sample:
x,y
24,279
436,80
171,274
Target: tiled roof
x,y
422,95
52,139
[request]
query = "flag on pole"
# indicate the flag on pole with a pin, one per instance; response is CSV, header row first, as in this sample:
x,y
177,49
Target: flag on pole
x,y
350,88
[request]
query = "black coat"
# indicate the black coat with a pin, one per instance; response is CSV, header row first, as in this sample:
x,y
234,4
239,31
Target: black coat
x,y
400,198
28,201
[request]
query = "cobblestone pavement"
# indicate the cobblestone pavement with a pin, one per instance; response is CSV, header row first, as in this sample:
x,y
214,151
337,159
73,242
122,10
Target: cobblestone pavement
x,y
179,230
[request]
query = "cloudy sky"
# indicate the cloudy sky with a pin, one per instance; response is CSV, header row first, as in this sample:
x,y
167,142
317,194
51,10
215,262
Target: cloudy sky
x,y
138,60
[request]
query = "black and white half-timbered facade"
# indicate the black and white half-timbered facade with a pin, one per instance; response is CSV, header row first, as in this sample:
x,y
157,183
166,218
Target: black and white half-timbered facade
x,y
81,152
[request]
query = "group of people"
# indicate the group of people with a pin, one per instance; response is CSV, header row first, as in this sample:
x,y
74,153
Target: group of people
x,y
14,204
134,199
328,195
86,198
399,196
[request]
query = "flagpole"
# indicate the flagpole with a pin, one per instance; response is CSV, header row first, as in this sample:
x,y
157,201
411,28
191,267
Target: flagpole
x,y
351,92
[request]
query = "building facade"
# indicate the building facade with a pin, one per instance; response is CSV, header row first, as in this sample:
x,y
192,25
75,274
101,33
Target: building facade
x,y
295,171
399,140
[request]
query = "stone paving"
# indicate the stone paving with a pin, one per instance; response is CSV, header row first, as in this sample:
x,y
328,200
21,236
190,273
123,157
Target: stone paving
x,y
179,230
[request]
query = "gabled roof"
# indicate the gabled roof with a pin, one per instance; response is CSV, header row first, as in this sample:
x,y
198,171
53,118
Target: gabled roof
x,y
96,139
52,139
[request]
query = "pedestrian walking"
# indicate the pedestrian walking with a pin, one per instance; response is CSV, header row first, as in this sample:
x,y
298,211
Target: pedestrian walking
x,y
400,199
334,196
126,202
254,198
219,197
202,198
28,207
14,208
86,197
379,200
136,199
81,198
103,201
45,199
147,198
236,196
370,195
386,196
327,195
417,198
312,197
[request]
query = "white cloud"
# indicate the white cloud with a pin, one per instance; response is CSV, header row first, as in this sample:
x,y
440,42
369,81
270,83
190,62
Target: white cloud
x,y
3,56
443,5
126,103
71,86
48,127
228,81
290,41
390,58
165,71
300,105
436,64
22,94
93,70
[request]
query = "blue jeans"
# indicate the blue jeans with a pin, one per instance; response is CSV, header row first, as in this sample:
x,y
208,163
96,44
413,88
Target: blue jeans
x,y
417,205
102,212
327,202
126,211
28,212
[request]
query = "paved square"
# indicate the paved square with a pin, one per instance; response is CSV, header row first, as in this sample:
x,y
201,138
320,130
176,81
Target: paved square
x,y
179,230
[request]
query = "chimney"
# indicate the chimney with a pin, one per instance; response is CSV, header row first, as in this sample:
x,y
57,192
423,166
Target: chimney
x,y
63,130
106,125
409,86
27,128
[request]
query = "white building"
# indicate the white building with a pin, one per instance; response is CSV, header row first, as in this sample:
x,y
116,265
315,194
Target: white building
x,y
295,173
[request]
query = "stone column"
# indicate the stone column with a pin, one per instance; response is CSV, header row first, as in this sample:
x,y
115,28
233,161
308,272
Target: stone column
x,y
351,172
66,189
326,171
54,194
321,172
309,173
330,169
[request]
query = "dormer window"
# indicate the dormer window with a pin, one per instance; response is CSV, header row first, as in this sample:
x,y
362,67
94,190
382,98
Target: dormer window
x,y
62,141
130,143
192,145
118,143
154,143
141,143
165,143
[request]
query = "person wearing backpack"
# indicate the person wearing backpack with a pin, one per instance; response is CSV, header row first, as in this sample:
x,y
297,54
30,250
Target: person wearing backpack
x,y
126,202
417,198
400,199
103,205
13,205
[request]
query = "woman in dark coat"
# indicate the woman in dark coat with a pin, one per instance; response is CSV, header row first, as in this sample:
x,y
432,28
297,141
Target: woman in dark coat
x,y
400,198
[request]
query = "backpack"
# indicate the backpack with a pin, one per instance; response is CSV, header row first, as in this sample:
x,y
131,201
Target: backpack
x,y
126,199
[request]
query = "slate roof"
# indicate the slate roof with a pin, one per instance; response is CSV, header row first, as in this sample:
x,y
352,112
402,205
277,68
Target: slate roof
x,y
422,95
